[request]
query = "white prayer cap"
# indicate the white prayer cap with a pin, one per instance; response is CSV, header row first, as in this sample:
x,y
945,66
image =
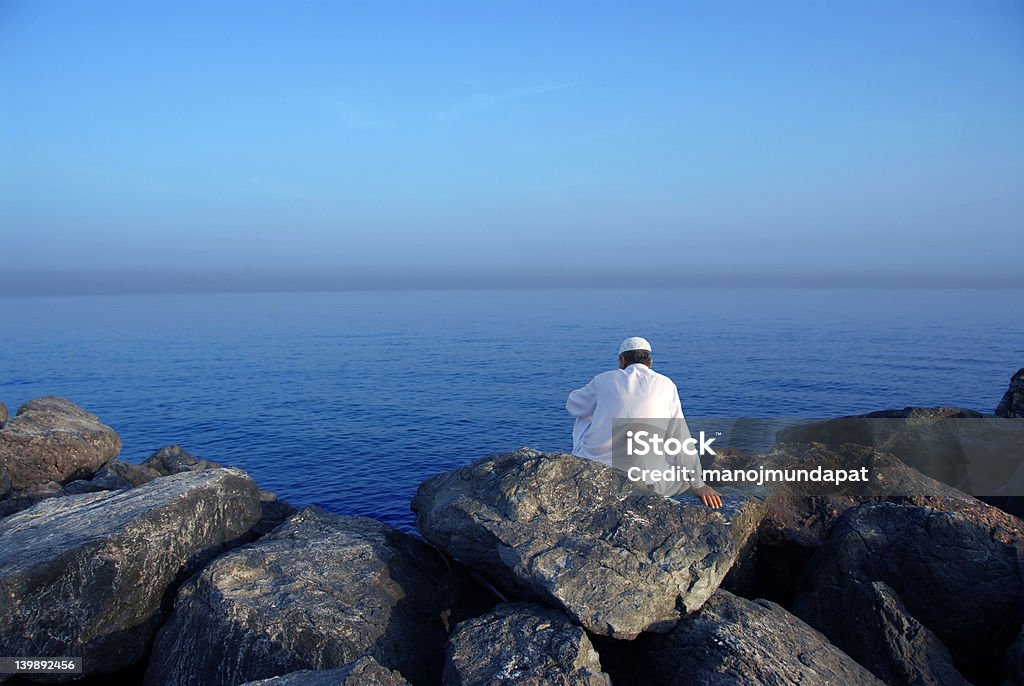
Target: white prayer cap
x,y
634,343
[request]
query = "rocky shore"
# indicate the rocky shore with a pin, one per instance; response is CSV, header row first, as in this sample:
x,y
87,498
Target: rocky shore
x,y
532,569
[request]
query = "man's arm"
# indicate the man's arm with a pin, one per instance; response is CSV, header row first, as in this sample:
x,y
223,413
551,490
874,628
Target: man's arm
x,y
583,401
708,495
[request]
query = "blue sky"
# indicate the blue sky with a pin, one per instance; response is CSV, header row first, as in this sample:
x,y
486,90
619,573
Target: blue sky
x,y
317,144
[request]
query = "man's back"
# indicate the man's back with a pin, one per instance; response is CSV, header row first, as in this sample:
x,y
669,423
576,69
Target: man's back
x,y
632,393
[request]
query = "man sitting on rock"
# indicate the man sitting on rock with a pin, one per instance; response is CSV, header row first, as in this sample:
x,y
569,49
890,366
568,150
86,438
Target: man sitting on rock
x,y
633,391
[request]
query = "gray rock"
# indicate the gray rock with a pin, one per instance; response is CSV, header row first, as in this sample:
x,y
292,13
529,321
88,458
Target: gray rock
x,y
731,640
86,575
952,575
577,535
173,459
522,644
22,500
795,526
52,439
743,510
318,592
110,482
80,486
134,474
275,512
869,622
3,415
1012,402
5,484
363,672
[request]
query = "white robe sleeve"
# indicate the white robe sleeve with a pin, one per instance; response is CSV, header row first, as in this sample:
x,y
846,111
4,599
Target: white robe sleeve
x,y
583,401
682,432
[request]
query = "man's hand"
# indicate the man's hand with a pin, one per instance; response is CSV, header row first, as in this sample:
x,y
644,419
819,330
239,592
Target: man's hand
x,y
709,496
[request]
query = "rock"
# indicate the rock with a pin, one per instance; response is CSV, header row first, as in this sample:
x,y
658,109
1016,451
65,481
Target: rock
x,y
1012,402
173,459
110,482
869,622
5,485
743,510
731,640
80,486
52,439
1015,662
522,644
363,672
134,474
22,500
3,415
795,525
86,575
274,513
952,575
577,535
319,591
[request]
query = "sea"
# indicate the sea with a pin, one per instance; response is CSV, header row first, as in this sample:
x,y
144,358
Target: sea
x,y
348,400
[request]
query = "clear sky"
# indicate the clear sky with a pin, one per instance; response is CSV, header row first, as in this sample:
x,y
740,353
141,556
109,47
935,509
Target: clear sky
x,y
302,144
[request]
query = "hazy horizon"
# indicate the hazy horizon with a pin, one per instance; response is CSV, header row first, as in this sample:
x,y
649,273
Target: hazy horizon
x,y
303,146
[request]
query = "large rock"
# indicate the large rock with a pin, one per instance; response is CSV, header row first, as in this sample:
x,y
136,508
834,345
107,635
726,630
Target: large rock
x,y
869,622
319,591
1012,402
796,525
363,672
86,575
522,644
731,640
3,415
578,535
52,439
952,575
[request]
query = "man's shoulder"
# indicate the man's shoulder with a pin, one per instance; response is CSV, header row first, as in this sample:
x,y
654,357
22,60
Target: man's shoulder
x,y
661,378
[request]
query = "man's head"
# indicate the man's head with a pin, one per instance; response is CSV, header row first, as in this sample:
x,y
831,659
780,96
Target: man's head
x,y
635,350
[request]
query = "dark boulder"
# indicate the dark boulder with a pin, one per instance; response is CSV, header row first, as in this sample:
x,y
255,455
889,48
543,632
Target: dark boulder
x,y
318,592
16,501
952,575
1015,662
52,439
522,644
796,525
87,575
1012,402
133,474
743,511
173,459
363,672
731,640
578,535
869,622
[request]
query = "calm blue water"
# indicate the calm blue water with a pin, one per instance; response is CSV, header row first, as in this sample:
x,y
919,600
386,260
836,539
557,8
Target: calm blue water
x,y
349,400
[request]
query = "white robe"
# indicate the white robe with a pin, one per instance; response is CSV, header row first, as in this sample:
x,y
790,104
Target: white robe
x,y
636,392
